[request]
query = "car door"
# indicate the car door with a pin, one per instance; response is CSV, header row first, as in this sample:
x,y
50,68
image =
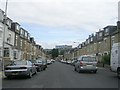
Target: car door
x,y
77,64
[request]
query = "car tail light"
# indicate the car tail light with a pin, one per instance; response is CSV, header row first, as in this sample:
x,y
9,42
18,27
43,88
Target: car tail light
x,y
81,63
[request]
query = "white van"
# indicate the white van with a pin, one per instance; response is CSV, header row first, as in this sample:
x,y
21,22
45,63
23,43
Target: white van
x,y
115,58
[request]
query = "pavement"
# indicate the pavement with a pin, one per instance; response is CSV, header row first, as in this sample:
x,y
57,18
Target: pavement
x,y
0,74
59,75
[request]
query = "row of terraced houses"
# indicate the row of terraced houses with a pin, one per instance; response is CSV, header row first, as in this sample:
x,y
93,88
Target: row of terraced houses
x,y
98,44
18,44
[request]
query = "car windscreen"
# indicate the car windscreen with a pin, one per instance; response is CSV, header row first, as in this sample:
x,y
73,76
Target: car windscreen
x,y
20,63
33,61
39,61
89,59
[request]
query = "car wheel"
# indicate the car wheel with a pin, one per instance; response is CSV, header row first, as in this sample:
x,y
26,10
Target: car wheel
x,y
8,77
30,74
78,70
36,71
44,68
95,71
75,69
118,73
39,69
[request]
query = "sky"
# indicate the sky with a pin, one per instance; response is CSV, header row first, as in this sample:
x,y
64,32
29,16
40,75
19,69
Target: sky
x,y
62,22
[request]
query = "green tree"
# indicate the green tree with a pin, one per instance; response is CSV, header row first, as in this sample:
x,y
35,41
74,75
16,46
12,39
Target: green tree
x,y
106,59
55,53
61,52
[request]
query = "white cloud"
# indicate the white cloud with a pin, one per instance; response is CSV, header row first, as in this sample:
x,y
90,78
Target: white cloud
x,y
89,15
73,13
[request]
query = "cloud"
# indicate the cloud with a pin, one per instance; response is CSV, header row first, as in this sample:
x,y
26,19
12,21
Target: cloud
x,y
74,13
72,16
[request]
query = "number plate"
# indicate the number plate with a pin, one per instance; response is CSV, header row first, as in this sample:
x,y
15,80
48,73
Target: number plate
x,y
89,65
14,73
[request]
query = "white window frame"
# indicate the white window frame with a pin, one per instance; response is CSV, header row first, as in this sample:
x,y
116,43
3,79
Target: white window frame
x,y
106,30
1,34
17,27
0,52
21,43
26,34
8,52
100,34
16,38
9,38
15,54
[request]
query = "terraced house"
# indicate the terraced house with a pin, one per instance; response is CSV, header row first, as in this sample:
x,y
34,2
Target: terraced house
x,y
18,45
1,31
98,44
9,41
17,50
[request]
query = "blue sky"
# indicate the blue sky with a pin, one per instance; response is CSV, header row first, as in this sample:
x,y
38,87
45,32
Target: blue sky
x,y
57,22
58,35
50,34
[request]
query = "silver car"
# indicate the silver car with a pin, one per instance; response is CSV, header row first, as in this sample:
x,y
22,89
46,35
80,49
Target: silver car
x,y
86,63
20,68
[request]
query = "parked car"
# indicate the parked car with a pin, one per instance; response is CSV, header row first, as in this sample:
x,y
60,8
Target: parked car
x,y
69,62
20,68
73,62
63,61
115,59
45,63
52,60
40,64
49,62
86,63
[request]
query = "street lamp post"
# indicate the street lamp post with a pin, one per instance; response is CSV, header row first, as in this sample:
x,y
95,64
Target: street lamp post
x,y
76,52
3,43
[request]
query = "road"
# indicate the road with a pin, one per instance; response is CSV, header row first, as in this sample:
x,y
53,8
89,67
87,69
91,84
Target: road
x,y
59,75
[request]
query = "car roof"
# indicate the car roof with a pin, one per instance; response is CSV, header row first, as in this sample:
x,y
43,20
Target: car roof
x,y
20,60
87,56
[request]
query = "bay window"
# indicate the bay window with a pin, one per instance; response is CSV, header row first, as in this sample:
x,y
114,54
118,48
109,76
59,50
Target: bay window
x,y
6,52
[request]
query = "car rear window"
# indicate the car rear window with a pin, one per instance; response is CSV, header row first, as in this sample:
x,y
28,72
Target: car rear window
x,y
20,63
39,61
89,59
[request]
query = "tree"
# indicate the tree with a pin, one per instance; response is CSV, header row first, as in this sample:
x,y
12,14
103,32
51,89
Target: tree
x,y
106,59
55,53
61,52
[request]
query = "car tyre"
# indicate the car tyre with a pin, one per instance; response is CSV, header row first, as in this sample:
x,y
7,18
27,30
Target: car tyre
x,y
36,71
30,74
74,69
79,71
8,77
118,73
44,68
39,69
95,71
